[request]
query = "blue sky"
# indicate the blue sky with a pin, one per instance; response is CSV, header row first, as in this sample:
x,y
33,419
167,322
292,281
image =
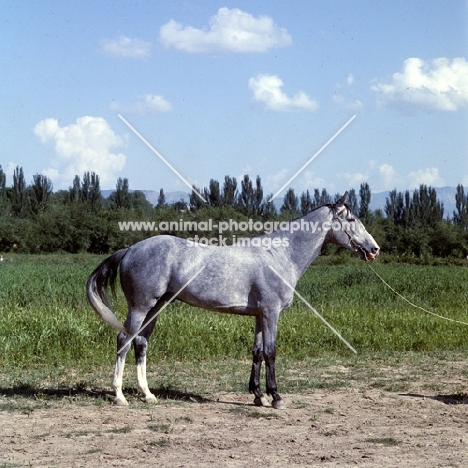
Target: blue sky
x,y
233,88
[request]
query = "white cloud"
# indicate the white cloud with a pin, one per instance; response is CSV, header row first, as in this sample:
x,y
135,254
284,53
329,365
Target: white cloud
x,y
274,181
126,47
267,89
9,169
309,181
87,145
350,79
149,103
306,180
353,105
429,176
52,173
353,179
344,98
440,84
390,179
247,169
388,176
229,31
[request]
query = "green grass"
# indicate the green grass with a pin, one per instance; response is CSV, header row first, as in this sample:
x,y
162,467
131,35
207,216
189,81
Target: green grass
x,y
121,430
159,443
383,441
165,428
45,319
255,414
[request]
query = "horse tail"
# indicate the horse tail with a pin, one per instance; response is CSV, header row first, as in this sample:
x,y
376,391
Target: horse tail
x,y
102,277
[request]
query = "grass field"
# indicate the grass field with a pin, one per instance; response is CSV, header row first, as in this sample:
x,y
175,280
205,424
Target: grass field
x,y
45,319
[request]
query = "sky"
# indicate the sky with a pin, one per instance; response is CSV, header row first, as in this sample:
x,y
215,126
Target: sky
x,y
236,87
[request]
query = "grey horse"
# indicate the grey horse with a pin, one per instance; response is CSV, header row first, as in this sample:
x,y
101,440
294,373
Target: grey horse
x,y
253,279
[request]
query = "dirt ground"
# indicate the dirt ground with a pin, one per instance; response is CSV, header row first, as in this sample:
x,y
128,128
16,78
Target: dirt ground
x,y
357,426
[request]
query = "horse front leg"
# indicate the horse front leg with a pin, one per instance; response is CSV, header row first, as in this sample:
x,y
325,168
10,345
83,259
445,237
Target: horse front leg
x,y
270,324
257,358
141,346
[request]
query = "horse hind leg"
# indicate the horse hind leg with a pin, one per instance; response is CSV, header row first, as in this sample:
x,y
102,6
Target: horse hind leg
x,y
132,324
257,358
141,346
122,350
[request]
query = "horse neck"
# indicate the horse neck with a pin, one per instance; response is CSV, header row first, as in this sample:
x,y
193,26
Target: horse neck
x,y
305,245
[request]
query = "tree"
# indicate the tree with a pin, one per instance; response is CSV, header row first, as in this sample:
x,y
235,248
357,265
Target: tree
x,y
122,196
140,204
364,202
195,201
460,216
426,209
352,201
74,192
214,195
41,190
19,201
2,183
290,203
229,195
258,196
91,191
268,208
180,206
306,202
161,199
246,198
394,207
320,199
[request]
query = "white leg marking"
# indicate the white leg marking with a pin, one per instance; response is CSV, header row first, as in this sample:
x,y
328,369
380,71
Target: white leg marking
x,y
117,383
262,401
143,383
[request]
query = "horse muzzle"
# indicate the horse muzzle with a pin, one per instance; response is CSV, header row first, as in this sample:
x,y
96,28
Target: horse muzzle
x,y
371,256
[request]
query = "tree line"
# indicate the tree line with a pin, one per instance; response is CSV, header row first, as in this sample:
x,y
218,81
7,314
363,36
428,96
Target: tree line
x,y
35,219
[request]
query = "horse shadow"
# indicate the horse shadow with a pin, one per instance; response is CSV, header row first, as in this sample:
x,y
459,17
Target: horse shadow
x,y
85,391
453,399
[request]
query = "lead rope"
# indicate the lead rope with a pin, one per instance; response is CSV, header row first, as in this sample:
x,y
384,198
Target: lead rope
x,y
414,305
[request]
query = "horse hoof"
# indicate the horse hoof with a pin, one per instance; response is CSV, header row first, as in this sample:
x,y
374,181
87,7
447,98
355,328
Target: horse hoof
x,y
120,401
262,401
151,399
278,404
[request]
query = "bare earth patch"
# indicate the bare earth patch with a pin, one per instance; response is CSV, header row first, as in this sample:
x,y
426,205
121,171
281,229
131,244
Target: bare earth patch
x,y
387,419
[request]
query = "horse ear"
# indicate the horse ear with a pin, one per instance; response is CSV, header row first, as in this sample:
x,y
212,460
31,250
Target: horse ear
x,y
340,204
343,199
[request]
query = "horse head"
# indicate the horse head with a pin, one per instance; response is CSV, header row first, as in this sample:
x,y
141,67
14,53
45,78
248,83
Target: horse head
x,y
349,232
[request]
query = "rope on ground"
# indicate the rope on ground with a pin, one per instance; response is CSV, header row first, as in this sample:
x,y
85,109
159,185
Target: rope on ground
x,y
414,305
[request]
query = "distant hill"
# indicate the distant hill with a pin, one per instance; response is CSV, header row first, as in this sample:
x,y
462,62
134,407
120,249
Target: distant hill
x,y
445,194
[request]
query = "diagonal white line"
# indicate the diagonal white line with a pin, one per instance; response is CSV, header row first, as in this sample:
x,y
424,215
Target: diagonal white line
x,y
160,156
312,158
162,308
314,311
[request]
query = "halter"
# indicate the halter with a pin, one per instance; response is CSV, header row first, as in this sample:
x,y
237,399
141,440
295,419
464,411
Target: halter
x,y
352,242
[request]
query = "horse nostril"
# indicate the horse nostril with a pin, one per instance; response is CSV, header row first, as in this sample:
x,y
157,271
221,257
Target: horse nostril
x,y
375,249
